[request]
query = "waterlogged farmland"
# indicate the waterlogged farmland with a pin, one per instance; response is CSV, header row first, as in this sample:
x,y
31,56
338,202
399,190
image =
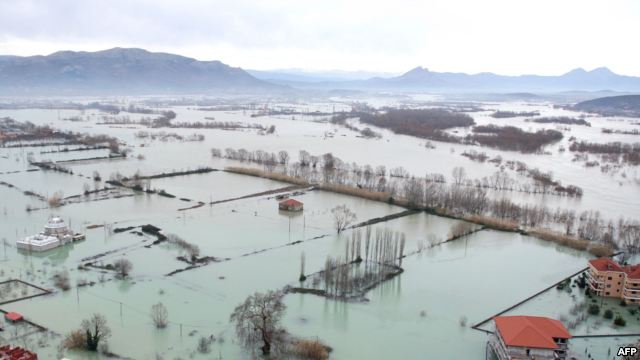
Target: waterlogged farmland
x,y
466,251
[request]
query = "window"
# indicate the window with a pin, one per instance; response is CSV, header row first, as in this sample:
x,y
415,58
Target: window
x,y
609,278
608,285
607,293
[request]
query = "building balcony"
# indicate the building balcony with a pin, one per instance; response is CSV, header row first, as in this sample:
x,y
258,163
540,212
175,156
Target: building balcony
x,y
628,294
595,279
597,290
497,346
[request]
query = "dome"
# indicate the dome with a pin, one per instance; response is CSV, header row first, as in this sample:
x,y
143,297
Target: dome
x,y
55,224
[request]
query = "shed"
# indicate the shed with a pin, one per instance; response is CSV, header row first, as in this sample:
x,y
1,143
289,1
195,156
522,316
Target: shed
x,y
290,205
13,316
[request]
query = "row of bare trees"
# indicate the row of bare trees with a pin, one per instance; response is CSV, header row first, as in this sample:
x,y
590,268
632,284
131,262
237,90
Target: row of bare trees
x,y
363,266
460,197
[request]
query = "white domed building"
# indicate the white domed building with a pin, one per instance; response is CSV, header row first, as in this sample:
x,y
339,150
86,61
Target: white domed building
x,y
56,233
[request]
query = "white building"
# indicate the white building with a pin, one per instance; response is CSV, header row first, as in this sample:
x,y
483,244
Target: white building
x,y
56,233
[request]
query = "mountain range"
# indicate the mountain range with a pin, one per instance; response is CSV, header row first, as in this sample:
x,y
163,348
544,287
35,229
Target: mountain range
x,y
420,78
120,71
136,71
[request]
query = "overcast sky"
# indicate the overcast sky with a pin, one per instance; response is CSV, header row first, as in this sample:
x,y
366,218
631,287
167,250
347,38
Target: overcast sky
x,y
502,36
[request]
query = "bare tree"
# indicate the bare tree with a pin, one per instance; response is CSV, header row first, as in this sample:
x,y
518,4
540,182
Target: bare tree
x,y
342,217
257,320
302,263
283,157
304,158
96,329
459,174
123,267
159,315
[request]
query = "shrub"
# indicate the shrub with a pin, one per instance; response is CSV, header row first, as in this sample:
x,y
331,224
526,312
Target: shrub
x,y
619,321
61,280
493,223
75,340
204,345
594,309
308,349
608,314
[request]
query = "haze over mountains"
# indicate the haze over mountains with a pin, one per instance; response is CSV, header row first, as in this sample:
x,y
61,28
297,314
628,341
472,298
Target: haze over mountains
x,y
137,71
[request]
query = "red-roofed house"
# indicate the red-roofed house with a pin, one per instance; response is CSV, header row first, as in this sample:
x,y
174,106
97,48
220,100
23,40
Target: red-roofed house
x,y
290,205
529,337
608,278
17,353
13,316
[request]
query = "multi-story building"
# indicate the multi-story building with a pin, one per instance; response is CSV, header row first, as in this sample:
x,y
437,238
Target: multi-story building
x,y
529,337
609,279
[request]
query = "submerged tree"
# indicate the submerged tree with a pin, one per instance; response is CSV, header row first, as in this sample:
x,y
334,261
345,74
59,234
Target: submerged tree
x,y
159,315
302,263
257,320
342,217
122,267
95,329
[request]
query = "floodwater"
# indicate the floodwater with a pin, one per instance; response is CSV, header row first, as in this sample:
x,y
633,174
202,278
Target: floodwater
x,y
415,315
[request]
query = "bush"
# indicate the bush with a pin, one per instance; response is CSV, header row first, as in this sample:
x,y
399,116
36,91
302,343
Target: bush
x,y
594,309
204,345
308,349
619,321
608,314
61,280
75,340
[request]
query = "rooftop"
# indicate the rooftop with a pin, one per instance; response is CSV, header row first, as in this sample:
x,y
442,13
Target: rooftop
x,y
13,316
530,331
290,202
605,264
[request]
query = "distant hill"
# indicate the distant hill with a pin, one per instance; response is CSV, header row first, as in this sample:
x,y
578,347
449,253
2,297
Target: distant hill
x,y
420,79
624,105
124,71
579,79
120,71
293,76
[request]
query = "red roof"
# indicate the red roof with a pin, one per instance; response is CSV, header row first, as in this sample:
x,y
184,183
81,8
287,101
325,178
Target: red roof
x,y
17,353
13,316
530,331
633,272
290,202
605,264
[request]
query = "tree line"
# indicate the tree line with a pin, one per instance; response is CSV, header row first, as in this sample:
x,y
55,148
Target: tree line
x,y
451,196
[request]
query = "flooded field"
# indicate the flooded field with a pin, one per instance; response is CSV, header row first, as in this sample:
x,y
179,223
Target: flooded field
x,y
247,244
